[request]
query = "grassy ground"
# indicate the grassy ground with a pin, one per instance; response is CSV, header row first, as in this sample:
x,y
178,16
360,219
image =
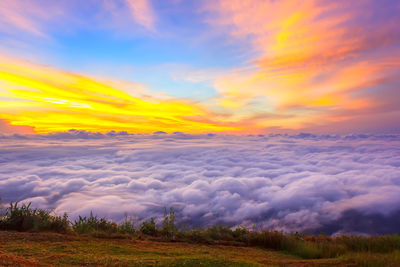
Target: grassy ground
x,y
45,249
44,239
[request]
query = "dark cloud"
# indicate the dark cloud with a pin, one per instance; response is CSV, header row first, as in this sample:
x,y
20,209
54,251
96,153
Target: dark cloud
x,y
356,222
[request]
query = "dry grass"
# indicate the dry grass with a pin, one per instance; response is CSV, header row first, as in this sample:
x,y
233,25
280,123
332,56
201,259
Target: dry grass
x,y
97,241
46,249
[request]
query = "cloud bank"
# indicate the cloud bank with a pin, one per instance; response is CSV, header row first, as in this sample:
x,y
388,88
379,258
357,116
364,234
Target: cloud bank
x,y
303,182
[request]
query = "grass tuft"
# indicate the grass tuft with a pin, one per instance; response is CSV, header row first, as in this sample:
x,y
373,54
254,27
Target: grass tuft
x,y
25,218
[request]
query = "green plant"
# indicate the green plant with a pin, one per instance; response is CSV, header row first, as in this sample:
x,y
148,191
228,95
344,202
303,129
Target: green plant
x,y
93,225
380,244
195,236
240,234
149,228
127,226
24,218
220,232
168,225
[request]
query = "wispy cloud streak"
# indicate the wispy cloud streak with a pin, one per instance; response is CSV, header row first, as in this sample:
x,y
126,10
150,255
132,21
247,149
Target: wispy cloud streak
x,y
143,13
41,17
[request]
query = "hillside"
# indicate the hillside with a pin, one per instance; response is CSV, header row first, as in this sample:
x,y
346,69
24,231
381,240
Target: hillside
x,y
45,249
36,237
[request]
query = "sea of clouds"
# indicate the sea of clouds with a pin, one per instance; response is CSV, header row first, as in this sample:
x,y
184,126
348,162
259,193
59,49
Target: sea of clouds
x,y
303,182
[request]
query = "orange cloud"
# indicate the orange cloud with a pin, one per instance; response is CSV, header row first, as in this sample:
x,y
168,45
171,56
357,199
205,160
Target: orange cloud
x,y
6,128
315,58
51,100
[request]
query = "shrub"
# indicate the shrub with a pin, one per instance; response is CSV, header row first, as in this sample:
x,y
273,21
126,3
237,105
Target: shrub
x,y
168,225
195,236
267,239
382,244
149,228
24,218
127,226
240,234
220,232
93,225
290,243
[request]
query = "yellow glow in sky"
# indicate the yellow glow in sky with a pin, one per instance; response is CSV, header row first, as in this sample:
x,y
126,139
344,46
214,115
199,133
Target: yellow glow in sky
x,y
52,100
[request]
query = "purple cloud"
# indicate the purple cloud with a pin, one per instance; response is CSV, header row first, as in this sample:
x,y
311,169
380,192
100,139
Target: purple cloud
x,y
297,182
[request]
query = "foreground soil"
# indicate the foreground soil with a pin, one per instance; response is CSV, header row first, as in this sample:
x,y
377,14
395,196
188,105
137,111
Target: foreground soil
x,y
48,249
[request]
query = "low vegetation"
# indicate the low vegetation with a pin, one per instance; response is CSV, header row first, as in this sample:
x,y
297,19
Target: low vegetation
x,y
360,250
24,218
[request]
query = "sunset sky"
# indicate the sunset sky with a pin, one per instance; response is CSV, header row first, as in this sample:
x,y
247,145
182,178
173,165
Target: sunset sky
x,y
229,66
279,113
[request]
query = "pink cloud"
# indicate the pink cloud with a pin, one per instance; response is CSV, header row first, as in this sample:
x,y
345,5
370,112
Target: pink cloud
x,y
27,16
6,128
40,17
313,59
142,13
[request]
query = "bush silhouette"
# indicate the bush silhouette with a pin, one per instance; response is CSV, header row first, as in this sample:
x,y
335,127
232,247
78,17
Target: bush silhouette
x,y
93,224
128,226
168,225
149,228
24,218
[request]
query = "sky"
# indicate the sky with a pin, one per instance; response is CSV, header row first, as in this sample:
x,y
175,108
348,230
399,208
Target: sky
x,y
280,114
221,66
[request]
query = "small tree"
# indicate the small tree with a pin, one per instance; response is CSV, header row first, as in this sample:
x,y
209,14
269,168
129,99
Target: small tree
x,y
128,226
168,224
149,228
